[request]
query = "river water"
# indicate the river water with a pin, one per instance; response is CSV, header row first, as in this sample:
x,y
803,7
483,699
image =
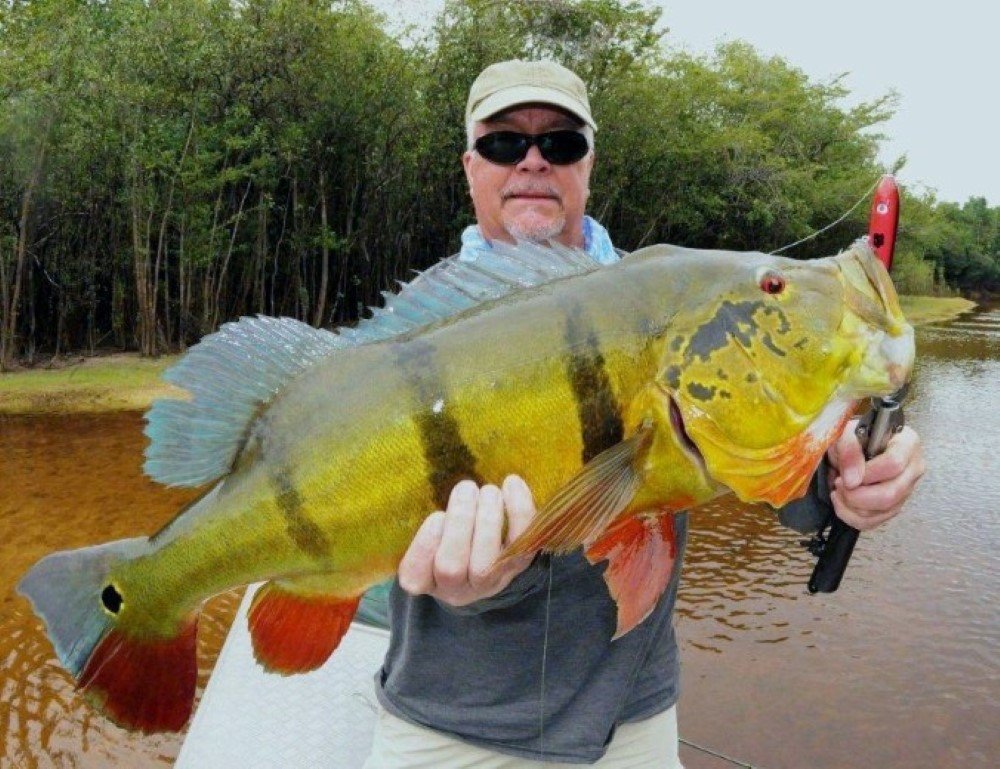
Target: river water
x,y
899,668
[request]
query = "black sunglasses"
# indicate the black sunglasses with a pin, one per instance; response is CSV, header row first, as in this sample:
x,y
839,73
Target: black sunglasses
x,y
509,147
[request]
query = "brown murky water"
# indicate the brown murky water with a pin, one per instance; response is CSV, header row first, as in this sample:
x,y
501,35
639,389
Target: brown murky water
x,y
899,668
67,482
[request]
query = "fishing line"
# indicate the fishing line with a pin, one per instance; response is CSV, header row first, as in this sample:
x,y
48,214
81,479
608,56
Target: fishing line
x,y
724,757
541,693
545,654
850,211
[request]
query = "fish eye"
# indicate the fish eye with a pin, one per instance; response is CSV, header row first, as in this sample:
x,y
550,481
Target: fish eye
x,y
772,283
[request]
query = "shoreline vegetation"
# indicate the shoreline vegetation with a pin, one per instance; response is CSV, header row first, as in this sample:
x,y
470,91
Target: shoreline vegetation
x,y
164,166
129,382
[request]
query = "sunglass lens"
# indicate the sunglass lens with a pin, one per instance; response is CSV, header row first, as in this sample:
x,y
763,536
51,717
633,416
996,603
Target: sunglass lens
x,y
504,147
509,147
563,147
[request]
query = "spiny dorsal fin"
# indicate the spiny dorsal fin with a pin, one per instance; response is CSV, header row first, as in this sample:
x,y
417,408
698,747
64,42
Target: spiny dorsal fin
x,y
237,370
229,373
460,282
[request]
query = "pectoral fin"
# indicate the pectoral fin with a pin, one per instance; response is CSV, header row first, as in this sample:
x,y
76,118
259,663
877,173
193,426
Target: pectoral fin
x,y
295,629
590,502
640,551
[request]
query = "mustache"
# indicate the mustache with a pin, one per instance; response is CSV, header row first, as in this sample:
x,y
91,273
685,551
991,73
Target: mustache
x,y
514,190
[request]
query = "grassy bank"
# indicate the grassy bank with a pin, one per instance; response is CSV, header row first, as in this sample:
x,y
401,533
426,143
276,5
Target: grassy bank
x,y
127,382
928,309
119,382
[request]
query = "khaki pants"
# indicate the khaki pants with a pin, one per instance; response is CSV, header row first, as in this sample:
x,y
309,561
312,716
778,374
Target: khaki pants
x,y
398,744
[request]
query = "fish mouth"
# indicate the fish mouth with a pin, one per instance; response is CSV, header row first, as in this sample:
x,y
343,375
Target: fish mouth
x,y
869,292
871,299
677,423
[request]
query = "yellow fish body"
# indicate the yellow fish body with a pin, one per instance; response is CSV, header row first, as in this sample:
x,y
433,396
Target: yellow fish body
x,y
620,394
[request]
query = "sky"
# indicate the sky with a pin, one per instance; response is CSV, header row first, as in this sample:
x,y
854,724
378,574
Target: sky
x,y
942,58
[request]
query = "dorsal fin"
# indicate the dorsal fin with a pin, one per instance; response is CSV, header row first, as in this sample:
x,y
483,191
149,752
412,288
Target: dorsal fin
x,y
229,374
464,281
237,370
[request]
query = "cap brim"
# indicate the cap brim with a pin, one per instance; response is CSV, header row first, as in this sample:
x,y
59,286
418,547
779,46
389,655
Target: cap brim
x,y
512,97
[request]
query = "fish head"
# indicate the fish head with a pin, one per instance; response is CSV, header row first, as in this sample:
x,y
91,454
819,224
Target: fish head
x,y
769,358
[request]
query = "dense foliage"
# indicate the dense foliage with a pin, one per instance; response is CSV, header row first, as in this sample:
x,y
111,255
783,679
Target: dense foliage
x,y
166,166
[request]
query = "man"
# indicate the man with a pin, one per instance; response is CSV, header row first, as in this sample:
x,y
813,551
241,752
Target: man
x,y
513,666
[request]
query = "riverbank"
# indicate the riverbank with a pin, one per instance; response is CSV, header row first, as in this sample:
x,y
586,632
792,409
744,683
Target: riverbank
x,y
77,384
128,382
920,310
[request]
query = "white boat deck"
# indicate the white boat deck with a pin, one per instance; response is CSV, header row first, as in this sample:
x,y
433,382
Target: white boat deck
x,y
249,719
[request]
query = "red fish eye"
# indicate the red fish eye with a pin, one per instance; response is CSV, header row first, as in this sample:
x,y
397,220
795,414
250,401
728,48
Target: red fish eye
x,y
772,284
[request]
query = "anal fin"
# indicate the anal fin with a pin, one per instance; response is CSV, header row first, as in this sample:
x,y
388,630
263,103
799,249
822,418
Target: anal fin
x,y
640,551
295,630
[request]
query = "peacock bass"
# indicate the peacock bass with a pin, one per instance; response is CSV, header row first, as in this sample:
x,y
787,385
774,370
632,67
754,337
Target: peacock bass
x,y
621,394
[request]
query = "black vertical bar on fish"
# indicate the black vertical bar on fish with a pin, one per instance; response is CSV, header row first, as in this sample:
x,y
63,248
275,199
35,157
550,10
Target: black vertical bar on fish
x,y
449,458
598,410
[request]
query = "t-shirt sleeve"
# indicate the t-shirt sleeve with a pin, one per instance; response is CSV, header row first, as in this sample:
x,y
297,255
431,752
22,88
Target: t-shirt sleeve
x,y
806,515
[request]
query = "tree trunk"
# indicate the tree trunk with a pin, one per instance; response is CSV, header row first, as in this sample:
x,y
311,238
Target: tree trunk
x,y
324,278
229,254
142,267
12,297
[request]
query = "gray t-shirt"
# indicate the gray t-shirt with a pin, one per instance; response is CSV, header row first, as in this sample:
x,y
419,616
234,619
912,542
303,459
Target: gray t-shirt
x,y
475,672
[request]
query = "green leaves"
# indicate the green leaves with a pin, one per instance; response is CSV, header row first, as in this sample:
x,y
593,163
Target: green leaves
x,y
206,159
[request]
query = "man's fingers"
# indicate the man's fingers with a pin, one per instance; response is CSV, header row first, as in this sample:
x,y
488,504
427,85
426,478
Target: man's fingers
x,y
520,506
847,457
867,494
882,496
860,520
901,454
451,563
487,538
453,554
416,570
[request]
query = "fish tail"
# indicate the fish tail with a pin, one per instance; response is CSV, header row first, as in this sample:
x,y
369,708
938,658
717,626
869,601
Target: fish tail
x,y
145,684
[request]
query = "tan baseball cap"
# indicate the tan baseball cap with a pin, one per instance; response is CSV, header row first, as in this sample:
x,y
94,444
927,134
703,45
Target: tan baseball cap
x,y
509,83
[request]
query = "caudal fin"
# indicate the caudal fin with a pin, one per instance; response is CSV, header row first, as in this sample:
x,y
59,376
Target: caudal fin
x,y
146,684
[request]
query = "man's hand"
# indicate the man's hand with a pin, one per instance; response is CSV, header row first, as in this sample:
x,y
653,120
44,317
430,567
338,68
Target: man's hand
x,y
451,556
867,494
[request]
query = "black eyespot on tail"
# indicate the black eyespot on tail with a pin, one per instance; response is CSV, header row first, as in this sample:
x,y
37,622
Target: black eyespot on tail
x,y
112,599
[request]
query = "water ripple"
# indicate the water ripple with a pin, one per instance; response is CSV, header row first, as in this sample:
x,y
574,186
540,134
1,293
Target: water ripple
x,y
904,658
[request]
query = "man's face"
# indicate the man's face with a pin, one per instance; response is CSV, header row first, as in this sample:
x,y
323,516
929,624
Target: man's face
x,y
533,199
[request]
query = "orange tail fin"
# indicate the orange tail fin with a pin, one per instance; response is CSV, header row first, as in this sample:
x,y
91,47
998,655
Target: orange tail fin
x,y
295,633
144,685
640,551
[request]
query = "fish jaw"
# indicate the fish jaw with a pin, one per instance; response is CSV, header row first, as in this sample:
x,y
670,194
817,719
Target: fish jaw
x,y
874,324
774,474
885,365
